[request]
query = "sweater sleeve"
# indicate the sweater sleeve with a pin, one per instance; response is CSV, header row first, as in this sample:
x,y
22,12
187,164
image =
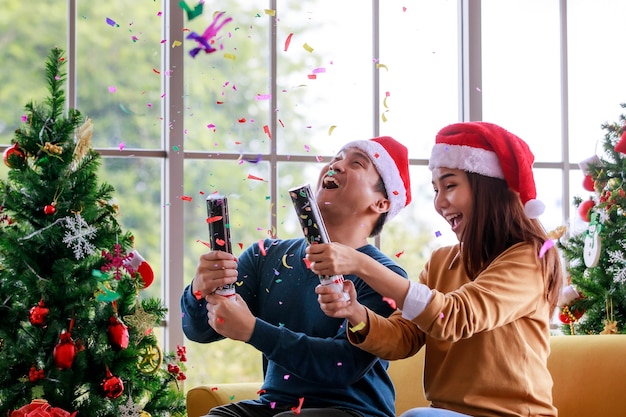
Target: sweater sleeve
x,y
389,338
195,321
512,286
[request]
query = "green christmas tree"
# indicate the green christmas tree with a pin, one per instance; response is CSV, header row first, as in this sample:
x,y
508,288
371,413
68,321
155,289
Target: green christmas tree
x,y
597,257
75,332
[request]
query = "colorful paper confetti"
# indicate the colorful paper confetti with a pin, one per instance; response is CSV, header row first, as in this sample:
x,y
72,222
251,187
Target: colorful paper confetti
x,y
204,40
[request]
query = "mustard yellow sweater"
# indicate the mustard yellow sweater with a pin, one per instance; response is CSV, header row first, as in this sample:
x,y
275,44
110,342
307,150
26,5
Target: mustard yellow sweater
x,y
487,341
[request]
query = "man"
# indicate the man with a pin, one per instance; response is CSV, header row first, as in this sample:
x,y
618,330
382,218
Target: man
x,y
309,365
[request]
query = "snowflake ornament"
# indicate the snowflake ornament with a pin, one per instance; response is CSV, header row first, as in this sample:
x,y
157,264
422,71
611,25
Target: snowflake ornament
x,y
617,259
117,261
78,235
130,409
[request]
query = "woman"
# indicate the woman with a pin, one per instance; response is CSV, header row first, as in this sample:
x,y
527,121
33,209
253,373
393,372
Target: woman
x,y
481,307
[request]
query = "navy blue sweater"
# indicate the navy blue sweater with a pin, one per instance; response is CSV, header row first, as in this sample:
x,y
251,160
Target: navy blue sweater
x,y
308,354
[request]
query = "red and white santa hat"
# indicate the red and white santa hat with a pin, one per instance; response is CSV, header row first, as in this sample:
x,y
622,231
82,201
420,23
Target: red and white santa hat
x,y
391,159
488,149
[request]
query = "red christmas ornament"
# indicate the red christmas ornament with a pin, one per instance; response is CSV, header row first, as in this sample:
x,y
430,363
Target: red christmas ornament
x,y
38,315
588,183
50,209
584,209
65,351
118,333
112,385
568,316
621,145
12,151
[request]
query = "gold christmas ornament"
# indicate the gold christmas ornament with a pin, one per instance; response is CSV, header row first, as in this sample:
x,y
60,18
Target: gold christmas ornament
x,y
52,149
610,324
150,359
141,320
557,233
610,327
83,140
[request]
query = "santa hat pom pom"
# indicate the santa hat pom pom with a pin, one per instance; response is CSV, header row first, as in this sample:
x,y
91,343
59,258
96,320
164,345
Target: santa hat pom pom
x,y
534,208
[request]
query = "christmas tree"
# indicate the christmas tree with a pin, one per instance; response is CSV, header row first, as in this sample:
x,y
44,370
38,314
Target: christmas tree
x,y
75,334
596,258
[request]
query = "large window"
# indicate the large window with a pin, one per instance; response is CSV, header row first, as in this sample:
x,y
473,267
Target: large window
x,y
290,82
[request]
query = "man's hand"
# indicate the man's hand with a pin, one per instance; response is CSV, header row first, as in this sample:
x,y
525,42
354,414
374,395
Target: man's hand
x,y
230,317
334,305
215,269
333,259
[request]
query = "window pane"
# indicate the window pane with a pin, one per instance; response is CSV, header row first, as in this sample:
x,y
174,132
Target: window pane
x,y
119,71
419,83
596,72
29,34
137,183
226,91
247,190
521,72
324,79
549,191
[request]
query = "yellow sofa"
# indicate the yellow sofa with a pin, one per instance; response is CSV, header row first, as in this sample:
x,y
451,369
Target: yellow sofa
x,y
589,375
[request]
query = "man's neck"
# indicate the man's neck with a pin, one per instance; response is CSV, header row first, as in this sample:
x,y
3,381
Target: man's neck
x,y
349,233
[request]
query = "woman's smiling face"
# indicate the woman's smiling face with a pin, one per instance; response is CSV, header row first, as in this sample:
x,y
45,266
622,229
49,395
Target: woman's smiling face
x,y
453,198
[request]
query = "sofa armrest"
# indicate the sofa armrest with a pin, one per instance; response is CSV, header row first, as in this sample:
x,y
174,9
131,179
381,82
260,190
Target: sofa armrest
x,y
202,398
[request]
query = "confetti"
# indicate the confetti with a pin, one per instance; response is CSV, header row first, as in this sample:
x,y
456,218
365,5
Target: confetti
x,y
111,22
191,13
252,177
213,219
186,198
391,302
307,47
358,327
207,244
330,130
176,43
262,248
288,41
399,254
197,294
545,247
296,410
266,129
209,33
